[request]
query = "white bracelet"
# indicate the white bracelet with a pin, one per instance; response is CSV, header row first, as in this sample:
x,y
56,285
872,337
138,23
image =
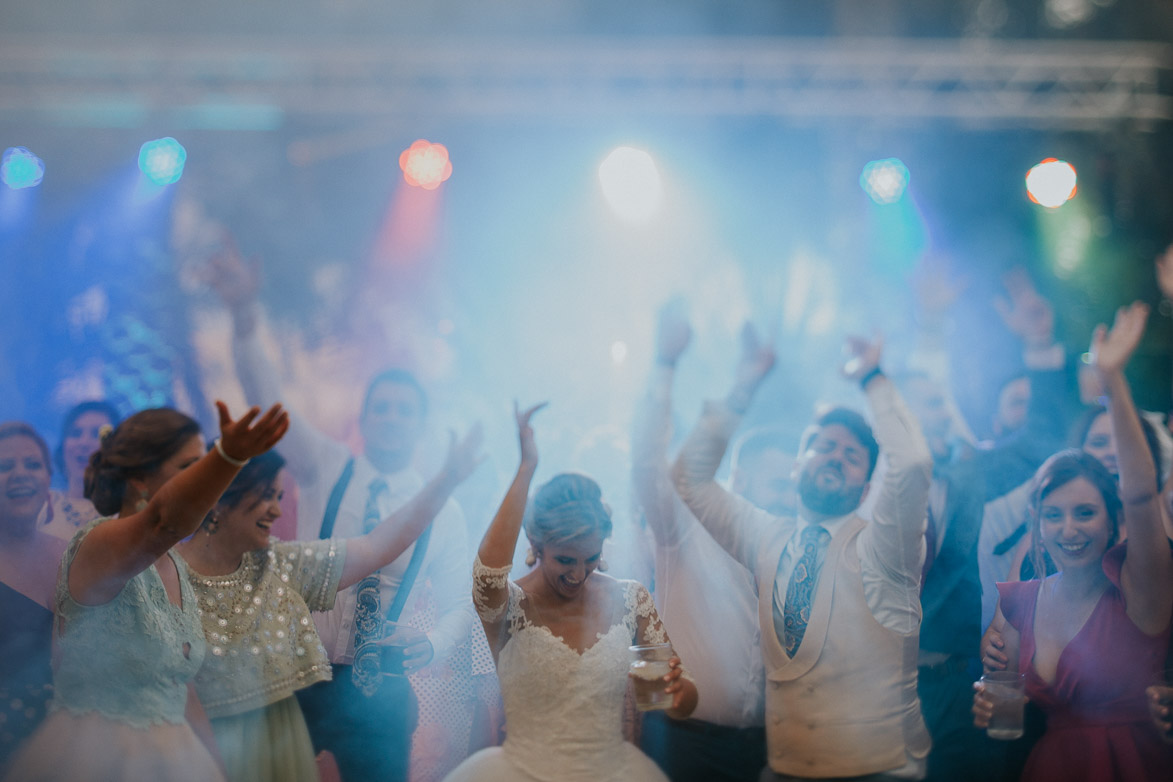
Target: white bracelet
x,y
227,458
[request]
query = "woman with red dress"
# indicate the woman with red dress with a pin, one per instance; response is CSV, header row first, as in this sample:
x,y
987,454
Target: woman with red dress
x,y
1091,637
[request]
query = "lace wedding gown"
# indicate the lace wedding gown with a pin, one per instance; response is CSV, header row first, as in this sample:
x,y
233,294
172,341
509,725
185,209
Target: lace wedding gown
x,y
563,709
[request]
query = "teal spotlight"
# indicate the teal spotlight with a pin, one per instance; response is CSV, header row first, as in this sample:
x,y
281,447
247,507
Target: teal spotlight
x,y
884,180
162,160
20,168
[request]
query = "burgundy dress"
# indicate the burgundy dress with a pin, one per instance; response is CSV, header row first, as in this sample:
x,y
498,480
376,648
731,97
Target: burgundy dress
x,y
1098,726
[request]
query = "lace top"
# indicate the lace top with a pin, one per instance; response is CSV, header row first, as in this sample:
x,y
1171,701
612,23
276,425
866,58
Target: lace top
x,y
262,644
563,709
128,659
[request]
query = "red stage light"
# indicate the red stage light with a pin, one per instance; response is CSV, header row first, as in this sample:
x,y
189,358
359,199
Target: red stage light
x,y
425,164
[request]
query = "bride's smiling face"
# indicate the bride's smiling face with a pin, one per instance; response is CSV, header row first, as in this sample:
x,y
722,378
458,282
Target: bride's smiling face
x,y
566,566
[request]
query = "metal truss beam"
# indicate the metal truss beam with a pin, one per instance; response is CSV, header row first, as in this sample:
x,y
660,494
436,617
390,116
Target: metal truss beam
x,y
1069,85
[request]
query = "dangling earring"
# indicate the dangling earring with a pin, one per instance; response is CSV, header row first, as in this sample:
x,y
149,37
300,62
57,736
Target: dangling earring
x,y
602,566
531,558
212,523
143,498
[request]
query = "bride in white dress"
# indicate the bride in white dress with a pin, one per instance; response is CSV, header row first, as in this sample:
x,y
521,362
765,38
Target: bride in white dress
x,y
560,636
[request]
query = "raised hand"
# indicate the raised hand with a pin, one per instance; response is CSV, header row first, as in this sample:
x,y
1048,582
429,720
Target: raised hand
x,y
936,292
525,433
1111,349
237,281
1025,312
464,455
862,357
673,334
250,436
757,359
755,363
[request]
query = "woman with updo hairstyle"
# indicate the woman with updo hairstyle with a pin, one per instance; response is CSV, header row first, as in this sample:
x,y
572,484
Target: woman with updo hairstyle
x,y
567,507
560,636
256,594
127,625
28,570
1092,636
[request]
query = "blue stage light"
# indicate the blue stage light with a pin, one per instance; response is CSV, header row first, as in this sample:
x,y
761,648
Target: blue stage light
x,y
21,168
162,160
884,180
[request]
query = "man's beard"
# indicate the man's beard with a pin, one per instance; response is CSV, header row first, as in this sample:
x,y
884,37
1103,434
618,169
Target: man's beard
x,y
828,503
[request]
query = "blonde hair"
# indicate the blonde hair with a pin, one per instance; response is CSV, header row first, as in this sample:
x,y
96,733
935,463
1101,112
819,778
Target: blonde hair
x,y
567,507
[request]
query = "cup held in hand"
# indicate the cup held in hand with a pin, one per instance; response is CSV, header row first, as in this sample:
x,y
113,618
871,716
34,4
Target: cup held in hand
x,y
649,666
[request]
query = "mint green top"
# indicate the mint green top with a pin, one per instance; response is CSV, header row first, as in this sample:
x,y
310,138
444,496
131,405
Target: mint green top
x,y
129,659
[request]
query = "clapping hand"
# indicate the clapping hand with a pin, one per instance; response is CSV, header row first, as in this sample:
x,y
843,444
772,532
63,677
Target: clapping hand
x,y
525,433
1111,349
250,436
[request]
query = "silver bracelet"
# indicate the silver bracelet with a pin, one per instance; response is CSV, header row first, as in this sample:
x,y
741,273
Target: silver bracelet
x,y
227,458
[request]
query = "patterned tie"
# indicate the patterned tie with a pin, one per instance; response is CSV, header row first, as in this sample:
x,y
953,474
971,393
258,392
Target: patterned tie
x,y
801,589
368,608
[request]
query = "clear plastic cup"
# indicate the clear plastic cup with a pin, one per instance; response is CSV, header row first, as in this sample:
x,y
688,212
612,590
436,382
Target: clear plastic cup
x,y
1005,690
649,666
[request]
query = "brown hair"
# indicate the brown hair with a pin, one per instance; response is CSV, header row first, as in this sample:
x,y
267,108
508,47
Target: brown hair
x,y
21,429
135,449
1059,470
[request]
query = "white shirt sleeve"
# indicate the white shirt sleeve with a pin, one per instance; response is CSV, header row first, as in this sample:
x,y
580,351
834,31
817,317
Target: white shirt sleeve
x,y
735,523
891,546
450,576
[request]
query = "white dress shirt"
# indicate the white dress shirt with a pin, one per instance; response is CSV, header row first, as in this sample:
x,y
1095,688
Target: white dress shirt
x,y
706,600
316,462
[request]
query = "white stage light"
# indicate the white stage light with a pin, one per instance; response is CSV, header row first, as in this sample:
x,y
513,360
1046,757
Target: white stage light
x,y
631,184
1051,183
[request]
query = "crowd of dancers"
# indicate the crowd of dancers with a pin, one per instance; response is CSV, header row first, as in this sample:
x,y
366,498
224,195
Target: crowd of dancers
x,y
827,611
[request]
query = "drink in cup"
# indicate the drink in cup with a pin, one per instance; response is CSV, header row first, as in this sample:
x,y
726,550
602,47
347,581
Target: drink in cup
x,y
649,666
393,648
1005,690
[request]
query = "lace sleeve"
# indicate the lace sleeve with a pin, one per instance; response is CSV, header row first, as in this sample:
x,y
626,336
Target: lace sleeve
x,y
490,590
648,627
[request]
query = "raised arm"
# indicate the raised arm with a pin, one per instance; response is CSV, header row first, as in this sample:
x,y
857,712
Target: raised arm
x,y
490,588
735,523
387,541
1147,576
651,431
895,536
238,282
119,549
